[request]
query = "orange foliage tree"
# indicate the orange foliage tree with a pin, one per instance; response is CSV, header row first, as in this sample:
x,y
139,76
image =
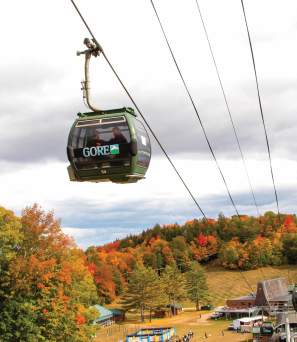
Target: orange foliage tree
x,y
50,285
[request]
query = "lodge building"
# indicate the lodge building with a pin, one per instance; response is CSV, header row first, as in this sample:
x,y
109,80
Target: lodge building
x,y
272,295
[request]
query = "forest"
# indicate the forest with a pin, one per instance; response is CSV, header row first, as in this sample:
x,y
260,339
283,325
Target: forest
x,y
48,285
243,242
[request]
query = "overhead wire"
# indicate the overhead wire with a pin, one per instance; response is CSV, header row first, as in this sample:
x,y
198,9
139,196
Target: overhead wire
x,y
260,105
139,111
194,106
246,280
228,107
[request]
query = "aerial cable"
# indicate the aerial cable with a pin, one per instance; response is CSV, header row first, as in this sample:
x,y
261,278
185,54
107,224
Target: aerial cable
x,y
138,109
246,281
194,106
228,107
260,106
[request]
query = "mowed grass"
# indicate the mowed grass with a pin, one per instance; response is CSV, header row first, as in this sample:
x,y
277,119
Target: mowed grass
x,y
223,284
186,321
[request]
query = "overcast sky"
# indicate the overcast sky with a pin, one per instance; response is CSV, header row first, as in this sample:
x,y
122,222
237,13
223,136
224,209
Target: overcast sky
x,y
40,95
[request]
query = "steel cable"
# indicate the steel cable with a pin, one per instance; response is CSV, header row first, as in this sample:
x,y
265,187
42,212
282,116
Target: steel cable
x,y
195,107
139,111
260,106
228,108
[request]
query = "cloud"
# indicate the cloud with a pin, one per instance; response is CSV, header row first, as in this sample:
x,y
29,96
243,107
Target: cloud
x,y
29,78
108,228
109,211
35,135
40,96
39,99
86,237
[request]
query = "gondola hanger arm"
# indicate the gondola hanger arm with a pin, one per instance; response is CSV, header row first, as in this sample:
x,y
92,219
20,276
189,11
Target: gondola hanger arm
x,y
93,49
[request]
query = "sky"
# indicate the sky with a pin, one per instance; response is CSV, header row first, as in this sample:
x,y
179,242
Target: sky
x,y
40,95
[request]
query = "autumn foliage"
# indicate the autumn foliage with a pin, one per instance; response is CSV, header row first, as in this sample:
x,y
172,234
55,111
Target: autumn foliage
x,y
46,288
48,285
243,242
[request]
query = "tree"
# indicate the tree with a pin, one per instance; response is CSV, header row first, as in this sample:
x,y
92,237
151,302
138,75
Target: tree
x,y
174,285
180,251
230,254
49,286
290,248
196,284
144,291
10,240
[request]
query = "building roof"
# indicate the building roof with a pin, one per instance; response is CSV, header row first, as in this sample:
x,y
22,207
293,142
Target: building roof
x,y
272,290
251,319
105,313
176,306
117,312
250,311
251,296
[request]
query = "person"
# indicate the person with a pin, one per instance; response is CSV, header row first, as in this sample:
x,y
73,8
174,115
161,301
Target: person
x,y
118,137
97,140
94,139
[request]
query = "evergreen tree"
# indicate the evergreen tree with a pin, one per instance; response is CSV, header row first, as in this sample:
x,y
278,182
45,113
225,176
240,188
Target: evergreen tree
x,y
174,285
196,284
144,291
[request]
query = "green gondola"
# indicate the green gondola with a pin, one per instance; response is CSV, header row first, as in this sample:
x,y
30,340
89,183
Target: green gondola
x,y
106,145
110,146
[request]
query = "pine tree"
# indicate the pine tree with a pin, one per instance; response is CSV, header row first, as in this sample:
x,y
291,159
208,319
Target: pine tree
x,y
174,285
144,291
196,284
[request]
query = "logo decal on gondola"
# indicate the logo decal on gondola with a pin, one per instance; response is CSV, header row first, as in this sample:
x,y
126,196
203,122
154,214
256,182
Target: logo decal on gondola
x,y
115,149
97,151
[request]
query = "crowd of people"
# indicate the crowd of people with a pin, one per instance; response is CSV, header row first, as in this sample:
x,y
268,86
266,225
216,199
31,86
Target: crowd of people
x,y
185,338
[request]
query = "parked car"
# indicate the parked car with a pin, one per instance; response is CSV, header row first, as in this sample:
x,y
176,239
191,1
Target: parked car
x,y
216,315
231,327
206,307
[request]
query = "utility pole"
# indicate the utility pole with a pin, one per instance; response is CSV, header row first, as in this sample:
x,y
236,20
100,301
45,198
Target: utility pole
x,y
288,332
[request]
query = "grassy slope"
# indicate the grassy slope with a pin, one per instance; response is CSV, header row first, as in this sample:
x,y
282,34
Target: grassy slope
x,y
225,284
183,323
222,284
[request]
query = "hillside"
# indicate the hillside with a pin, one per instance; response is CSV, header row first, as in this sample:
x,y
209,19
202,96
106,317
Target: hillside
x,y
48,285
236,243
225,284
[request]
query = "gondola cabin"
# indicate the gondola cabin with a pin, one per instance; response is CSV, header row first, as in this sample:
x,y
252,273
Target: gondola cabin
x,y
109,145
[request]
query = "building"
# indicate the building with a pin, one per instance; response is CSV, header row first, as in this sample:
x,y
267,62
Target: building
x,y
175,308
118,315
234,313
243,302
108,316
272,294
170,310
